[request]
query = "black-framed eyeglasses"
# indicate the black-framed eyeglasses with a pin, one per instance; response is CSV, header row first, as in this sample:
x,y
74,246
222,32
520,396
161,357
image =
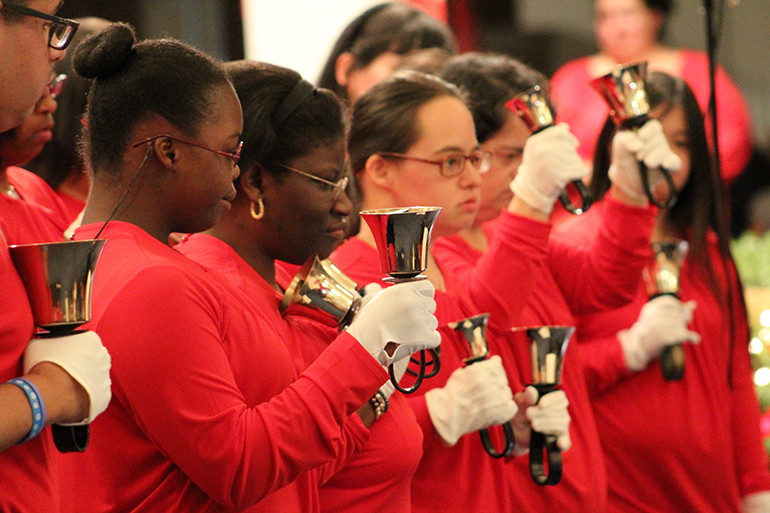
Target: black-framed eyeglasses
x,y
337,187
452,164
61,31
234,156
57,85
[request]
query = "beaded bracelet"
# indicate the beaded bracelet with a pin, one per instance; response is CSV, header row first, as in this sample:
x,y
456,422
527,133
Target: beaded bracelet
x,y
379,404
35,402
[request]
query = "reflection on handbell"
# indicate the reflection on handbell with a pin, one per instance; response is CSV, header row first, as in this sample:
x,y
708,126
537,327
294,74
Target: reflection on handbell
x,y
58,277
474,330
624,91
402,236
319,284
662,276
548,345
534,108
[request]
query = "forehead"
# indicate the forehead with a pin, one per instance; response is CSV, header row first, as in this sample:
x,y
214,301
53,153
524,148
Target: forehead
x,y
446,122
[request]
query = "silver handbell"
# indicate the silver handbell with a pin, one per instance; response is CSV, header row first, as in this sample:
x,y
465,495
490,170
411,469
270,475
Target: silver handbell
x,y
321,285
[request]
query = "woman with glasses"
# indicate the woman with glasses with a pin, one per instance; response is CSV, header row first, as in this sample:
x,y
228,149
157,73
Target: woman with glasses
x,y
412,142
577,275
291,206
209,411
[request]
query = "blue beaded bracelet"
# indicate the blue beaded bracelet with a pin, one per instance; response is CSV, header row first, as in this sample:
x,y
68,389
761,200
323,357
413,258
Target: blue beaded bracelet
x,y
35,402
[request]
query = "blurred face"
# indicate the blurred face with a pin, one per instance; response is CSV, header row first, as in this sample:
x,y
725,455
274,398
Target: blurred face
x,y
302,217
446,127
362,79
206,186
26,63
675,128
27,140
506,147
626,29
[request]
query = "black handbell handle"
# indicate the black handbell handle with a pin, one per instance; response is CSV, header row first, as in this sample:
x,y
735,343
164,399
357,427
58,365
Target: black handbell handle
x,y
585,195
417,382
635,124
510,441
70,438
538,444
434,363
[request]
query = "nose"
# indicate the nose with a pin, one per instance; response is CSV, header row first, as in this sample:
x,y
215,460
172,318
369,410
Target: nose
x,y
55,55
470,177
236,171
343,205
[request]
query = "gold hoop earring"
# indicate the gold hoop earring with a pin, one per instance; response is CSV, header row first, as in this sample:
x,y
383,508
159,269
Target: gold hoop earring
x,y
261,213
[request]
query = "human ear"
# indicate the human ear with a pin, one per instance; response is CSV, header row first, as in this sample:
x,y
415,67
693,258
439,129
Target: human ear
x,y
342,67
251,182
380,170
165,151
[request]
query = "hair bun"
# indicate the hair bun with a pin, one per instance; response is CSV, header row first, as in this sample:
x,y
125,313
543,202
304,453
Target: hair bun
x,y
105,53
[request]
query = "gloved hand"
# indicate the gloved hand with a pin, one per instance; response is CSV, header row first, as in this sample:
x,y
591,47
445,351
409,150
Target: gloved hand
x,y
474,397
549,162
402,315
758,502
662,322
549,416
83,357
368,293
648,145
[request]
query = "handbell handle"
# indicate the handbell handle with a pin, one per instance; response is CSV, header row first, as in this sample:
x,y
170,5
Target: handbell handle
x,y
635,124
585,195
510,441
538,444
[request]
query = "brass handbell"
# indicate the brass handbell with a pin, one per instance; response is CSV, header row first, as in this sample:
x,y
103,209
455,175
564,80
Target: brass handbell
x,y
661,277
320,284
624,91
474,330
548,346
534,108
402,236
58,277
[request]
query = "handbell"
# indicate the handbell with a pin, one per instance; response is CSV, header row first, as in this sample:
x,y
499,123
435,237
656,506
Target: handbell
x,y
402,236
319,284
662,276
624,91
58,277
474,331
534,108
548,346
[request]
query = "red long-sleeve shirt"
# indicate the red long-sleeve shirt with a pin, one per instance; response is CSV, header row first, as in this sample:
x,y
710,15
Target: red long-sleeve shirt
x,y
671,446
375,475
208,413
579,275
463,478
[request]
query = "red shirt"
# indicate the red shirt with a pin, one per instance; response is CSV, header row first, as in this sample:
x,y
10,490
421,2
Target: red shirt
x,y
39,216
671,446
585,111
579,275
463,478
377,477
207,413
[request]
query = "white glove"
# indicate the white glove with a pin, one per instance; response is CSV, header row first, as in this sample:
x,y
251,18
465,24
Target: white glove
x,y
474,397
369,291
549,162
402,315
83,357
648,145
662,322
756,503
549,416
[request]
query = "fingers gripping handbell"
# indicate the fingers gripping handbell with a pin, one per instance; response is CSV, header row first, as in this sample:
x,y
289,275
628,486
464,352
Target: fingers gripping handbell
x,y
473,330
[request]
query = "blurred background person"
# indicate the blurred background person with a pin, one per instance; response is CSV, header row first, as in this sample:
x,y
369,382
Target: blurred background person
x,y
629,31
657,434
60,163
375,43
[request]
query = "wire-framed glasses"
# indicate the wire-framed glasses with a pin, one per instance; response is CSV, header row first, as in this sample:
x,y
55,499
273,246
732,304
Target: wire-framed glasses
x,y
452,164
337,187
235,157
59,33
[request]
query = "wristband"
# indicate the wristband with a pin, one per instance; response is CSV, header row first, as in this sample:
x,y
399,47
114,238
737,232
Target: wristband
x,y
379,404
35,402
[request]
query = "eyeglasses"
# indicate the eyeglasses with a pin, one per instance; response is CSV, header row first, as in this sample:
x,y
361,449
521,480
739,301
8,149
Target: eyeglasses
x,y
57,85
506,158
337,187
234,156
61,31
451,165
